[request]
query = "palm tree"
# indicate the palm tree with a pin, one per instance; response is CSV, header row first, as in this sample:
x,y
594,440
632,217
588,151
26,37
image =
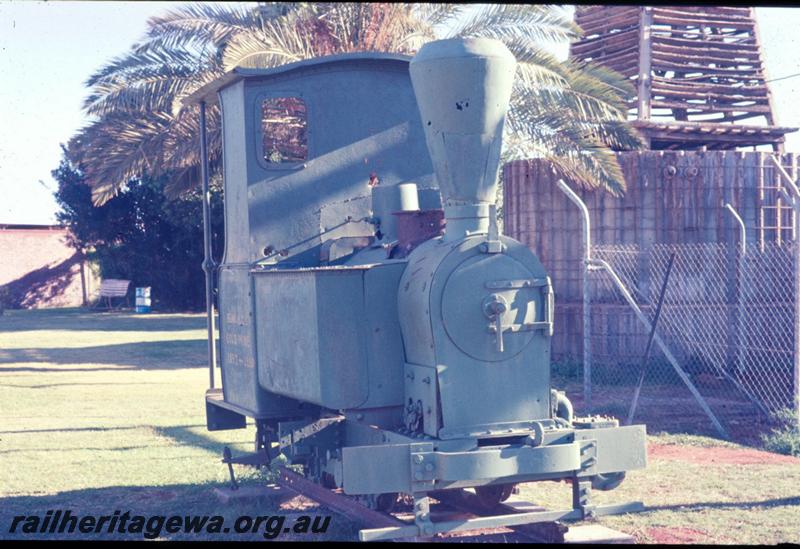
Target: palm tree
x,y
572,114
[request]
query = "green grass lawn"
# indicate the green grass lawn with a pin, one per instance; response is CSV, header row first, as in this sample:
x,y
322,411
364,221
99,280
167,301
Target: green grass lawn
x,y
104,411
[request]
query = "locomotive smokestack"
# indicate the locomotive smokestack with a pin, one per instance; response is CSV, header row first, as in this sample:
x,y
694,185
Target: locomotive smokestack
x,y
463,87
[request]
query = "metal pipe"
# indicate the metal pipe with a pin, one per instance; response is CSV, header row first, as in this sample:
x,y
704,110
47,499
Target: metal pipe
x,y
664,349
742,229
792,185
742,278
587,258
208,259
794,201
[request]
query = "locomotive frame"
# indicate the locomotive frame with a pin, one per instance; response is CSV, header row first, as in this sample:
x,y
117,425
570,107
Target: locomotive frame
x,y
385,353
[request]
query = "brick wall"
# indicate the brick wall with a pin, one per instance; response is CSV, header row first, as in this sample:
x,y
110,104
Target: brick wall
x,y
39,269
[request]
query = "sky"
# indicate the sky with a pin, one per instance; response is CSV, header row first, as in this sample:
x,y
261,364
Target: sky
x,y
48,49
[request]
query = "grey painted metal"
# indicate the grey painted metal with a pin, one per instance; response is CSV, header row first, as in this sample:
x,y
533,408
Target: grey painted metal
x,y
402,197
208,258
445,326
298,207
372,469
587,305
514,519
664,349
394,375
787,179
297,210
354,361
453,319
742,228
209,92
398,466
463,87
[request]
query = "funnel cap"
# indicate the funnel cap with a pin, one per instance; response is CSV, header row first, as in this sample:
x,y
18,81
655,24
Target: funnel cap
x,y
463,87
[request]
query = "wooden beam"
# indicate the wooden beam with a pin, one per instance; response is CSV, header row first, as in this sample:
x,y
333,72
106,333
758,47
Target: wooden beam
x,y
705,107
609,22
645,53
608,45
745,44
698,35
587,42
615,58
747,53
722,98
705,9
701,58
662,16
675,11
707,71
602,13
699,87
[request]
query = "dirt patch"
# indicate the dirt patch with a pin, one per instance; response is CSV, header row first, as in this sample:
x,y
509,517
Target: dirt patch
x,y
717,455
663,534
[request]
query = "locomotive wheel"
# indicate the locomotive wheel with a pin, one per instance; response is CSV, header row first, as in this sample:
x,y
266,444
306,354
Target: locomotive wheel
x,y
490,496
328,481
386,502
607,481
379,502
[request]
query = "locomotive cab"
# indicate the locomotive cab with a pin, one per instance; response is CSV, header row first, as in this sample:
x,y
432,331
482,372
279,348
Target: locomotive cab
x,y
384,354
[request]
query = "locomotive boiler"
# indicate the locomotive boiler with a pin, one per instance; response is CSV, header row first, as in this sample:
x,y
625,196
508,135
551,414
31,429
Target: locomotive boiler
x,y
374,322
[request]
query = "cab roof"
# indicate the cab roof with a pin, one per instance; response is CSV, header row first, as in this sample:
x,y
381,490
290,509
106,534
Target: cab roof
x,y
208,92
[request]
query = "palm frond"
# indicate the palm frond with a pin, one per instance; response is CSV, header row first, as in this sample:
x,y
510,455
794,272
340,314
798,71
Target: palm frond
x,y
536,22
568,112
213,23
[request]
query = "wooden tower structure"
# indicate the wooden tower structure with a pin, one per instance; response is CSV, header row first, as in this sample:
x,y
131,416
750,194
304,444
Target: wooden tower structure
x,y
698,70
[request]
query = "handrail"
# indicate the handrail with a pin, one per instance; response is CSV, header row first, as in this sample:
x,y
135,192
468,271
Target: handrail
x,y
742,228
587,324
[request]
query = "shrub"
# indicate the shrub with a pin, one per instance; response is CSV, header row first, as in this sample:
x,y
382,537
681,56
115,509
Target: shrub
x,y
4,296
142,236
785,437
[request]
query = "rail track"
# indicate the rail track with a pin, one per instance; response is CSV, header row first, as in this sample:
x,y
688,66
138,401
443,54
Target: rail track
x,y
451,506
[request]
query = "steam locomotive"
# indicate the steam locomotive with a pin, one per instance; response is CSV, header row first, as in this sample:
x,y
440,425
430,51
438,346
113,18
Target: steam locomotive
x,y
374,322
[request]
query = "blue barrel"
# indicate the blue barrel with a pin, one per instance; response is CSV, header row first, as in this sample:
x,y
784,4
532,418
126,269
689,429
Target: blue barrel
x,y
143,300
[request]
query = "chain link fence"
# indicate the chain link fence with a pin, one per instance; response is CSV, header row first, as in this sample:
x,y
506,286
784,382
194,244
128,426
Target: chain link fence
x,y
728,318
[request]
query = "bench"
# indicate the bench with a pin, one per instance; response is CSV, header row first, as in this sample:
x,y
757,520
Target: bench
x,y
113,288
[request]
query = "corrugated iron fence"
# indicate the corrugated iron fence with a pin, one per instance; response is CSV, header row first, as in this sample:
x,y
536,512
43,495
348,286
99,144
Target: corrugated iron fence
x,y
729,314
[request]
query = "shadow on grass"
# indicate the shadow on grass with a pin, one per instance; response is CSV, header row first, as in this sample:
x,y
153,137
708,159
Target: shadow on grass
x,y
81,449
79,429
86,319
778,502
194,500
183,434
51,385
145,355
